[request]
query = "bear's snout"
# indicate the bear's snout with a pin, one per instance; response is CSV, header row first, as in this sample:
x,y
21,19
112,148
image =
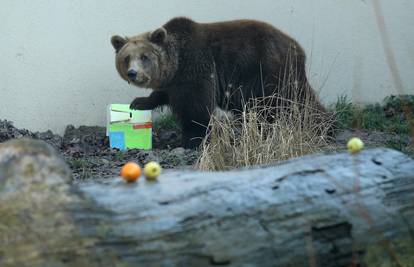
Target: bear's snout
x,y
132,74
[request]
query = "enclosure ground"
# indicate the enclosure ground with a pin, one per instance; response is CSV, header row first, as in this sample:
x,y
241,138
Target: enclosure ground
x,y
86,149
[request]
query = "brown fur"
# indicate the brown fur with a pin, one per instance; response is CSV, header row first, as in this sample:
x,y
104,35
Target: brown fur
x,y
199,66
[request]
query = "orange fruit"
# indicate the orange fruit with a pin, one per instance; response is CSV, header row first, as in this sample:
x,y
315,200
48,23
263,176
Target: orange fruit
x,y
131,172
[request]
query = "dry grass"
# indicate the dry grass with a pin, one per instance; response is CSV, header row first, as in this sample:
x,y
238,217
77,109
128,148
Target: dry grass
x,y
252,140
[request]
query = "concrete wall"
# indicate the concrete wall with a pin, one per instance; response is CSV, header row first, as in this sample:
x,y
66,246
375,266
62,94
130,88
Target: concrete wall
x,y
57,64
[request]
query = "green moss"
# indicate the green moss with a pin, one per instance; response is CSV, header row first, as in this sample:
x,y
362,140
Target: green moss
x,y
81,166
77,163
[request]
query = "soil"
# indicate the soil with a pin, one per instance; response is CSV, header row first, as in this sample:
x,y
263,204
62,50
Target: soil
x,y
86,149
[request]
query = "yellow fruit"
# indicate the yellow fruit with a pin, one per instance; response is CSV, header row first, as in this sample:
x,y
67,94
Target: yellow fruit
x,y
355,145
152,170
131,172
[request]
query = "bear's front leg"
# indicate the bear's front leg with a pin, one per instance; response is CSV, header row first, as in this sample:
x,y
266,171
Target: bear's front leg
x,y
155,99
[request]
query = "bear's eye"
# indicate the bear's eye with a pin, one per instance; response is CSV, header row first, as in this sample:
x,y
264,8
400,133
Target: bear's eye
x,y
144,58
126,60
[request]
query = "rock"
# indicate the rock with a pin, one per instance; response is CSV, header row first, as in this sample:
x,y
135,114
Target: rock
x,y
179,151
53,139
35,183
88,139
8,131
166,139
105,161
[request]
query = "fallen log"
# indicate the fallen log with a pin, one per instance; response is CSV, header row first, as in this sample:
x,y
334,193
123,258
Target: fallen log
x,y
319,210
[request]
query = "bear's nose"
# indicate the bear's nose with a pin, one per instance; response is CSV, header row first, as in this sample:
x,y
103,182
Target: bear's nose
x,y
132,74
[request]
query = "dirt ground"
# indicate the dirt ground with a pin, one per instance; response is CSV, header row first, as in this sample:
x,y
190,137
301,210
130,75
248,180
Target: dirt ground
x,y
86,149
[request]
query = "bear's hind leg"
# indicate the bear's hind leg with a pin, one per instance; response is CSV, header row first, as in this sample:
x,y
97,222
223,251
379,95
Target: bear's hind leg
x,y
193,135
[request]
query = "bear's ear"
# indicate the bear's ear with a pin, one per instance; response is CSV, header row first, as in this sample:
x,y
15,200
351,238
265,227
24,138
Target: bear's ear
x,y
158,36
118,42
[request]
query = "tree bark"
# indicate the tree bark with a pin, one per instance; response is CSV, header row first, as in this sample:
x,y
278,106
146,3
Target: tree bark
x,y
319,210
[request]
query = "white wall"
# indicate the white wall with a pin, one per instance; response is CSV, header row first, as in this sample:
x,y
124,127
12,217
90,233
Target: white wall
x,y
57,64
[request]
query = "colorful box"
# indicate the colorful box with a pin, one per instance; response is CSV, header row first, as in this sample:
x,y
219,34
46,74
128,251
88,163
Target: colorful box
x,y
128,128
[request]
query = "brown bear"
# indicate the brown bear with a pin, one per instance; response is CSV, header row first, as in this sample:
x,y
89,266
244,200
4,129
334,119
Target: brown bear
x,y
196,67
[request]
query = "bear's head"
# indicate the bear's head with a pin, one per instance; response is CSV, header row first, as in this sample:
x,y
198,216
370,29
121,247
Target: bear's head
x,y
146,60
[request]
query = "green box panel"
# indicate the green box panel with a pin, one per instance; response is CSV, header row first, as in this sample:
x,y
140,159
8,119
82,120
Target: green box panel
x,y
134,138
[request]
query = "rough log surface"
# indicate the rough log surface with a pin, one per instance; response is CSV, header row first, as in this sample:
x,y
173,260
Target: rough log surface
x,y
321,210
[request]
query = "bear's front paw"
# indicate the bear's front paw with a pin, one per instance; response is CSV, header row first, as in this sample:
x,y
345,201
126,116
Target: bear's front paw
x,y
141,103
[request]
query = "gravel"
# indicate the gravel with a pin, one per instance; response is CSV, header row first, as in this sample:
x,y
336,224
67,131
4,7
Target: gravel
x,y
86,150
